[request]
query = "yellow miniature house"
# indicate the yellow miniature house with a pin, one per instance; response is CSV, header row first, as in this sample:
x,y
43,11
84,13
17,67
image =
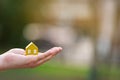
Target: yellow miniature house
x,y
31,49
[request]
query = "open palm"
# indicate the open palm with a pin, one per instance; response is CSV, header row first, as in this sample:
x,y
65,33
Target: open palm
x,y
15,58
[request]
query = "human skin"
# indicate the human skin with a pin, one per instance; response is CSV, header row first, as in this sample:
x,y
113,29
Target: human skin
x,y
16,58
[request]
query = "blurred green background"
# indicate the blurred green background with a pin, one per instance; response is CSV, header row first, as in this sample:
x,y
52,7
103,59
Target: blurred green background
x,y
88,31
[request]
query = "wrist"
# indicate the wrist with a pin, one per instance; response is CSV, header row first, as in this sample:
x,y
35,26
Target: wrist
x,y
1,63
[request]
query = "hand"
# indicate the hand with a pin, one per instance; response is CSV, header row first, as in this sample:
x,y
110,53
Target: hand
x,y
15,58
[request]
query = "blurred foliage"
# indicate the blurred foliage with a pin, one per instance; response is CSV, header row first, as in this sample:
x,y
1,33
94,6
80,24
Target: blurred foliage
x,y
51,71
14,15
12,22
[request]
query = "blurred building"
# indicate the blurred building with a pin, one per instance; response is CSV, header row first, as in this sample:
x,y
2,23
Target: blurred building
x,y
71,24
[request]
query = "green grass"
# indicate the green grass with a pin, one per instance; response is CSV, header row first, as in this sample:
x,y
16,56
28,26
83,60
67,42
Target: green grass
x,y
61,70
55,71
48,71
108,72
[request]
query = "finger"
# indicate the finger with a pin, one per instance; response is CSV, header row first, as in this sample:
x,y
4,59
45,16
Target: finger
x,y
56,50
17,51
52,51
48,57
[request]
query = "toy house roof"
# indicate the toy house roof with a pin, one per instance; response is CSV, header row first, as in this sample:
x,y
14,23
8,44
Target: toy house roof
x,y
31,45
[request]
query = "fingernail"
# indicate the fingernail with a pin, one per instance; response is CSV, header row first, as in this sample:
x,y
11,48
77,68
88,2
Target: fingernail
x,y
60,48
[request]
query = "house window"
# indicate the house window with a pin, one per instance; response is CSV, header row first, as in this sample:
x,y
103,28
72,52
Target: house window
x,y
29,51
35,51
